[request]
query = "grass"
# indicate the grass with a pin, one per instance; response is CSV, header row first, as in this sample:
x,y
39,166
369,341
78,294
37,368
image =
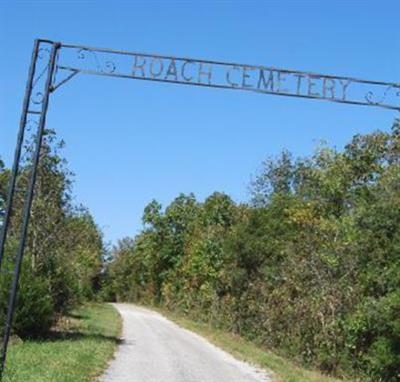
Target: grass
x,y
283,370
76,351
83,342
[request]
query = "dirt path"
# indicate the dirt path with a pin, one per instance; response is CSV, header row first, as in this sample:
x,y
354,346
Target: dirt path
x,y
156,350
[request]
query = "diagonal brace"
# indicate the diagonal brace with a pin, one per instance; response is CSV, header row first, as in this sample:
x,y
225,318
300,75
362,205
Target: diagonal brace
x,y
74,72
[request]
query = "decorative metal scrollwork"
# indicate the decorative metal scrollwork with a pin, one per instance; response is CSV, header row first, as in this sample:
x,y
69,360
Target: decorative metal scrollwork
x,y
30,123
108,66
42,52
43,67
373,99
37,98
31,127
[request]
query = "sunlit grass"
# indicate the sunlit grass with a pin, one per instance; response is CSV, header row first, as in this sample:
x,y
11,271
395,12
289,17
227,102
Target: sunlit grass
x,y
77,351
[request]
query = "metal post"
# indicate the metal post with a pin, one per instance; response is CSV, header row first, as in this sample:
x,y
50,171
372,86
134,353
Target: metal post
x,y
28,204
17,155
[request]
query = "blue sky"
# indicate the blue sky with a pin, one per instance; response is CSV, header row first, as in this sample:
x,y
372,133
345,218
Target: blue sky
x,y
131,141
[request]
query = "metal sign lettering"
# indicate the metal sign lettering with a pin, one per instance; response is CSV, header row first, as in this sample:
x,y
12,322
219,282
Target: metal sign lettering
x,y
259,79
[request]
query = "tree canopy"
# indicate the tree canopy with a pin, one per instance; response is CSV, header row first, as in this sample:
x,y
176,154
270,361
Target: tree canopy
x,y
309,267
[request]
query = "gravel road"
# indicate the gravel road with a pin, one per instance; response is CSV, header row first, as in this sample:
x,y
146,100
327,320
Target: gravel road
x,y
156,350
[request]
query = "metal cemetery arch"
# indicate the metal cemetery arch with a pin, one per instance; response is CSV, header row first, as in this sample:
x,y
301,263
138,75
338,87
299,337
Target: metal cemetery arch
x,y
54,63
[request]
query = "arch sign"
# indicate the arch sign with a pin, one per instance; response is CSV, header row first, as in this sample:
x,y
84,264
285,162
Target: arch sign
x,y
54,63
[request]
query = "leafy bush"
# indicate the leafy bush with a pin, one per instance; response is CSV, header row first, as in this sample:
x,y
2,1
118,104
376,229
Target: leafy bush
x,y
310,267
34,312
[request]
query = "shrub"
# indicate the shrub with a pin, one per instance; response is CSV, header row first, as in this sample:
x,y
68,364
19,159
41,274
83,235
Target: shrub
x,y
34,313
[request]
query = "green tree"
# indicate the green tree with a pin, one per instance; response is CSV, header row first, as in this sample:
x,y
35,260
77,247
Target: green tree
x,y
64,248
310,267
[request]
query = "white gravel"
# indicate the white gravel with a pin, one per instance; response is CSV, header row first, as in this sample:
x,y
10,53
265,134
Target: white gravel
x,y
155,349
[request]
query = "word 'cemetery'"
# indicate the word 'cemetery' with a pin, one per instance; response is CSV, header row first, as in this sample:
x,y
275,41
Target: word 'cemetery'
x,y
260,79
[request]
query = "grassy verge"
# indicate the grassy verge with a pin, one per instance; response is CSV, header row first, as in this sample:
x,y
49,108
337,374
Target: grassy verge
x,y
284,370
77,350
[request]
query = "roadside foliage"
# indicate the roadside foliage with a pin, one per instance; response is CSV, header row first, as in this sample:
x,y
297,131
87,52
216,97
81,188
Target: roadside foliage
x,y
64,251
309,267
